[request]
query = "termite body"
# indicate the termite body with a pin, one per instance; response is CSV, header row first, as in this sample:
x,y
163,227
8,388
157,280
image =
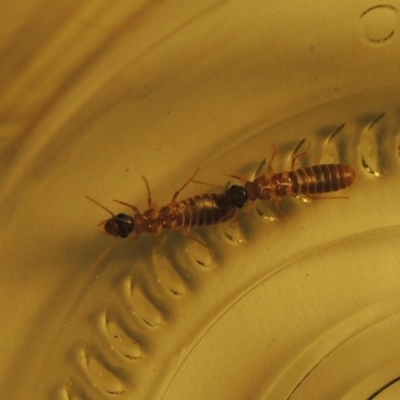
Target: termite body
x,y
317,179
193,212
308,181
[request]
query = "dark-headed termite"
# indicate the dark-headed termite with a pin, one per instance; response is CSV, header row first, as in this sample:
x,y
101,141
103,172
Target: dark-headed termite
x,y
308,181
193,212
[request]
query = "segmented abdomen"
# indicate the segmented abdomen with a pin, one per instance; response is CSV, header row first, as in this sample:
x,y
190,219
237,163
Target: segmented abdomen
x,y
322,178
197,211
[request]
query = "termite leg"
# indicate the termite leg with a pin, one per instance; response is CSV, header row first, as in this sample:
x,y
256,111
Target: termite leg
x,y
210,250
277,201
134,208
270,169
149,199
296,156
249,207
260,168
311,196
176,194
158,242
239,178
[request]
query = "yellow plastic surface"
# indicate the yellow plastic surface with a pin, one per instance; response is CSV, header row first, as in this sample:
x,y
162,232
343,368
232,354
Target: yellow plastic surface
x,y
95,94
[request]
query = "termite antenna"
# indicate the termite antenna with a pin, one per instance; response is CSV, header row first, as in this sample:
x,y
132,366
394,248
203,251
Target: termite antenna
x,y
209,184
100,205
101,257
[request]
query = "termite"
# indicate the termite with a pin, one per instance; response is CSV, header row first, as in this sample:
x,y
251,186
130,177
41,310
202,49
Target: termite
x,y
193,212
308,181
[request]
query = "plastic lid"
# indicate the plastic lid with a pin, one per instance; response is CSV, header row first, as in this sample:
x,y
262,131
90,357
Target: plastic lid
x,y
95,96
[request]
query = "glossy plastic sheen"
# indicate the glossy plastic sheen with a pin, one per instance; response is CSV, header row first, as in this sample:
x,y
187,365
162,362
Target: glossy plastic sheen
x,y
95,95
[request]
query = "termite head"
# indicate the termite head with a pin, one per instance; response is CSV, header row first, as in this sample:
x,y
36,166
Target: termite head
x,y
120,225
237,196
